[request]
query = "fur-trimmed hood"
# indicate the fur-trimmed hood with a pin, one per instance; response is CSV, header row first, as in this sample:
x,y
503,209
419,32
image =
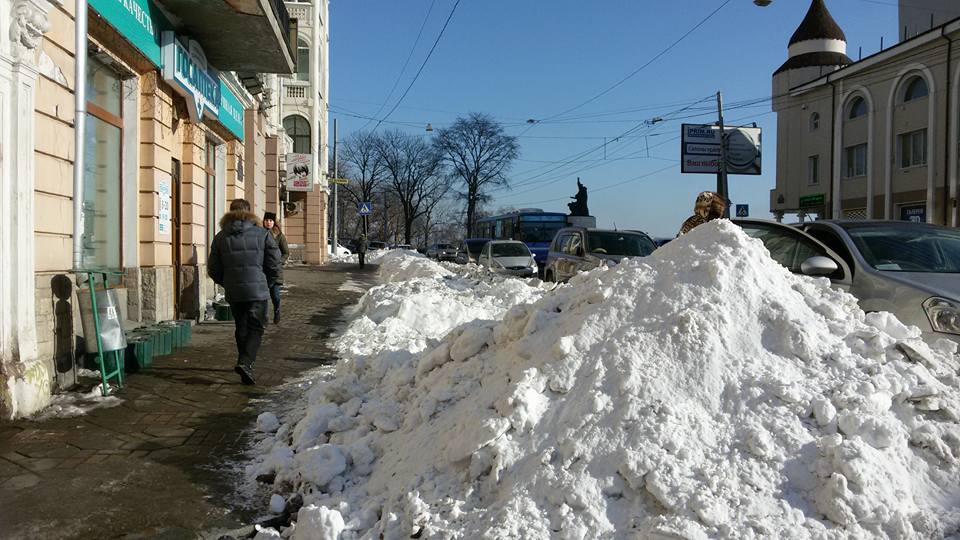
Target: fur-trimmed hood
x,y
238,215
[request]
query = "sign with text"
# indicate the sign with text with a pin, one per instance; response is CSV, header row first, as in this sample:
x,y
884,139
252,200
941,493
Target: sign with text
x,y
916,213
813,201
299,172
186,70
163,213
700,149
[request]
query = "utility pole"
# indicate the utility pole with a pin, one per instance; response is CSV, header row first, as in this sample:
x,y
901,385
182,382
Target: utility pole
x,y
336,184
722,187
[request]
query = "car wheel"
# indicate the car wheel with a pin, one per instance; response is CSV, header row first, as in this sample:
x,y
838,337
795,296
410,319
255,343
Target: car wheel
x,y
548,277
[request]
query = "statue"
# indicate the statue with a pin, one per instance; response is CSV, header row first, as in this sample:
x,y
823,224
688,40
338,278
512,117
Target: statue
x,y
579,205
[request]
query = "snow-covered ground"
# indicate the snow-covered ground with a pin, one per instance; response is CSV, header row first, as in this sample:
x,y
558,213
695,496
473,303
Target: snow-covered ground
x,y
701,392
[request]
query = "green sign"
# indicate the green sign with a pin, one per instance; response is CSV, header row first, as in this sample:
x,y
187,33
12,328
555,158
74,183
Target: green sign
x,y
812,201
143,24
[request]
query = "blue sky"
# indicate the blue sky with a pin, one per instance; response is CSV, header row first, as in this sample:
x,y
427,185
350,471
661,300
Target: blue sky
x,y
531,59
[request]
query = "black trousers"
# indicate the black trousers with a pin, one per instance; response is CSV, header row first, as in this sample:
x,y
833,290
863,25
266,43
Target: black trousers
x,y
250,319
360,257
275,295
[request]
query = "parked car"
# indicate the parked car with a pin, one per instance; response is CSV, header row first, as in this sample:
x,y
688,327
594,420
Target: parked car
x,y
376,246
909,269
469,250
662,241
508,257
339,252
442,252
402,246
797,251
578,249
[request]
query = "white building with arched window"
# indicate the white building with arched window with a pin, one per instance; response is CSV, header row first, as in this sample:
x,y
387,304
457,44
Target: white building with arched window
x,y
872,139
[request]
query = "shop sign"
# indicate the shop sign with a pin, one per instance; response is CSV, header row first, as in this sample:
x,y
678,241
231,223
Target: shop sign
x,y
163,216
299,172
185,69
916,213
140,21
701,152
813,201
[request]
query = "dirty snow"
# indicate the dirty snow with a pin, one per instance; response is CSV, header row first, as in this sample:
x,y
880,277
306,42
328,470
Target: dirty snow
x,y
70,404
701,392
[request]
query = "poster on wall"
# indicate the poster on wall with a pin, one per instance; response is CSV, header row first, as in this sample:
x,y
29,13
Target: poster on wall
x,y
299,172
163,215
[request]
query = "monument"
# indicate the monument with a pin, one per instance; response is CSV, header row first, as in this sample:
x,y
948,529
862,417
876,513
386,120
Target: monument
x,y
579,213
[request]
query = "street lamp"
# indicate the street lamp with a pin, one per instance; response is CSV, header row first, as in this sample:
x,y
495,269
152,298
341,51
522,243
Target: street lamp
x,y
429,128
762,3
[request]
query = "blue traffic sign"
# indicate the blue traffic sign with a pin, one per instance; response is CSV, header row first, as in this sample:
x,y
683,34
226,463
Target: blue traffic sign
x,y
365,208
743,210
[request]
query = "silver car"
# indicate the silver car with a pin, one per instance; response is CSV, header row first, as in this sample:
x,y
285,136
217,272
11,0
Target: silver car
x,y
442,252
909,269
578,249
508,257
469,250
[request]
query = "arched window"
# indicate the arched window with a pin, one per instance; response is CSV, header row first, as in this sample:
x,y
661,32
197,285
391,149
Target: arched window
x,y
298,129
814,121
916,89
303,60
858,108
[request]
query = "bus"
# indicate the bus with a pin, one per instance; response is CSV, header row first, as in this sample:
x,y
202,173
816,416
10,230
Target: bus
x,y
532,226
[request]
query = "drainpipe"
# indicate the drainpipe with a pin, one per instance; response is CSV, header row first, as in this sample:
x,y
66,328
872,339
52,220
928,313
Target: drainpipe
x,y
79,129
947,203
833,151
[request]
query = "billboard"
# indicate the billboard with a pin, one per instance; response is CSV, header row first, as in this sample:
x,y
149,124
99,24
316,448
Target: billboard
x,y
299,172
700,149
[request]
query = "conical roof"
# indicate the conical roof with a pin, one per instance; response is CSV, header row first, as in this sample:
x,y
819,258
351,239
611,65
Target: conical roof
x,y
818,24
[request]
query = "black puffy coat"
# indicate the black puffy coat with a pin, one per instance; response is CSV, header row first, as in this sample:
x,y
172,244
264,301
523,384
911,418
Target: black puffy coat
x,y
244,258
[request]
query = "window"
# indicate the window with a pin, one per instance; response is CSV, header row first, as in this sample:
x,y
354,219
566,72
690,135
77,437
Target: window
x,y
858,108
786,246
573,246
102,152
303,60
814,121
813,170
913,148
916,89
298,129
210,167
855,161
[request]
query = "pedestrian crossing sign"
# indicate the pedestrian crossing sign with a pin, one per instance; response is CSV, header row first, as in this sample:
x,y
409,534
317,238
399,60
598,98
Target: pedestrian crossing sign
x,y
743,210
365,208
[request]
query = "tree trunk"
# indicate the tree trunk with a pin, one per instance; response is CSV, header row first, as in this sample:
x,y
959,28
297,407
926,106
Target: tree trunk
x,y
471,210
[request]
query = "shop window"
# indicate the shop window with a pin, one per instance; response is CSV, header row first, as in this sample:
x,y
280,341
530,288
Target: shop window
x,y
103,181
857,109
813,170
298,129
303,60
916,89
210,168
855,160
913,148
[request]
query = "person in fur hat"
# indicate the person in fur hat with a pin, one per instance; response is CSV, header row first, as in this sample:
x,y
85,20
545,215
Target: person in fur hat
x,y
270,224
245,261
709,206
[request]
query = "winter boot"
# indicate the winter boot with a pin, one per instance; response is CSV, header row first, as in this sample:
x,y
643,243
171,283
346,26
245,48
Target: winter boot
x,y
246,374
276,316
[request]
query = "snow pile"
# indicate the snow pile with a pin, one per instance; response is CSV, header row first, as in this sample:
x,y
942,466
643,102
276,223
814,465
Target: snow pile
x,y
701,392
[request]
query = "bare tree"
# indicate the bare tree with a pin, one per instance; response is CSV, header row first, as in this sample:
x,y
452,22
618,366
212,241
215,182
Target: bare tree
x,y
479,154
361,157
414,173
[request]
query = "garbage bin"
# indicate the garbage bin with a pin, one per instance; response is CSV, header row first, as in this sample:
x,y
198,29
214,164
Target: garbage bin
x,y
112,337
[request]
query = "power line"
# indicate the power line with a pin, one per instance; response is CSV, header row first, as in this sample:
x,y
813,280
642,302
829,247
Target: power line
x,y
425,60
405,64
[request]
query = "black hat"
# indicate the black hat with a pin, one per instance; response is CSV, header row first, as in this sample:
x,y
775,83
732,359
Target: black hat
x,y
269,215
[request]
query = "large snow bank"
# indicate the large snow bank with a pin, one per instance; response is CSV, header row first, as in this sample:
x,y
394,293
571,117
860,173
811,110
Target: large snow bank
x,y
701,392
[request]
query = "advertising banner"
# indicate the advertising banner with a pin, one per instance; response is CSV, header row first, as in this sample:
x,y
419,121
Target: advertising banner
x,y
299,172
700,149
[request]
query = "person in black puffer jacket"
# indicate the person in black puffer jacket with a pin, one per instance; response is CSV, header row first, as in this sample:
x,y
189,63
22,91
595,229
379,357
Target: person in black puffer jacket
x,y
245,261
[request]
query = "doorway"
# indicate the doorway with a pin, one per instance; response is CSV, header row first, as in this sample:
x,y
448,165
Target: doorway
x,y
175,236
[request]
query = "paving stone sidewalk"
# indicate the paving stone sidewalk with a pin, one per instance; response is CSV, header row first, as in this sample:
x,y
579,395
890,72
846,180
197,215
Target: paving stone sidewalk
x,y
155,466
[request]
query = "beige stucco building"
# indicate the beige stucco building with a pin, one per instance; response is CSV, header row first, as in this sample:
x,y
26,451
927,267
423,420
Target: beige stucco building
x,y
179,115
873,139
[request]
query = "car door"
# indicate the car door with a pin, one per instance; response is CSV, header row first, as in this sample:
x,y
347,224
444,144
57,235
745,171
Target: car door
x,y
791,247
575,259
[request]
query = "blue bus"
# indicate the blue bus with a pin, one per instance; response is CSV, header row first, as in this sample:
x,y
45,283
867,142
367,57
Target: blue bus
x,y
532,226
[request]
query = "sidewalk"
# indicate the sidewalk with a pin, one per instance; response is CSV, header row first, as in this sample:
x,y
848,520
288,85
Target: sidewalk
x,y
157,465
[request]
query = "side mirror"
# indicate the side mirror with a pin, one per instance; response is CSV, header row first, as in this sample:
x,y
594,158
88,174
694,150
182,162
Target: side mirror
x,y
818,266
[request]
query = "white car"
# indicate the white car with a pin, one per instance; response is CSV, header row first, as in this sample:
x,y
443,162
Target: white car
x,y
340,251
508,257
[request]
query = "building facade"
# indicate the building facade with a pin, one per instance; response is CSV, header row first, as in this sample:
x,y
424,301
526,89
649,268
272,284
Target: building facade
x,y
872,139
176,116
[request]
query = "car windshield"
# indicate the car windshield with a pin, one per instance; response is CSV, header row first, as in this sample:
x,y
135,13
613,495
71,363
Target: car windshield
x,y
444,246
510,249
619,243
476,246
898,248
